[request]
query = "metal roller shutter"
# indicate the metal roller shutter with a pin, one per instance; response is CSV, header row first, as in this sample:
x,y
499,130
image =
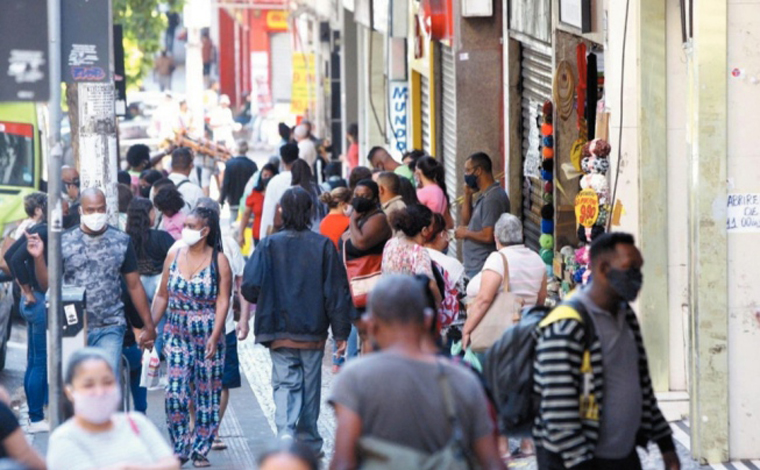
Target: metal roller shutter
x,y
536,78
425,113
449,127
281,66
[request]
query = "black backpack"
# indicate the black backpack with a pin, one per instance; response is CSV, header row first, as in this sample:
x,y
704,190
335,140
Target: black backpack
x,y
508,366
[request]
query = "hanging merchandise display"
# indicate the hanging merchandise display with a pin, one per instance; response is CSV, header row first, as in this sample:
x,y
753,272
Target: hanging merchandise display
x,y
547,173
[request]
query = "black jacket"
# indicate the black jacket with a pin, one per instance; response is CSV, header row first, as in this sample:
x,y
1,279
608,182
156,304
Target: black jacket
x,y
299,285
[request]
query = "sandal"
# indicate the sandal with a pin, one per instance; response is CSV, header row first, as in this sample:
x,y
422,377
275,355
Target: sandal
x,y
218,444
201,462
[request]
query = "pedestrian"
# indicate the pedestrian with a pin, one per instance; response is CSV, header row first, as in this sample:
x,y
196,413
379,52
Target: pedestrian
x,y
14,445
186,122
404,400
35,207
182,167
277,187
410,158
223,123
381,160
578,426
358,174
97,436
307,151
284,132
479,217
207,57
97,257
147,179
195,288
138,159
169,202
451,281
525,271
335,224
295,327
70,181
172,22
389,185
289,456
432,192
351,158
32,308
334,177
302,176
125,197
310,132
164,68
254,205
237,172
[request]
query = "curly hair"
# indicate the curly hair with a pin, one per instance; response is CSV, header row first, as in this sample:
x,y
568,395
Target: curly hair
x,y
169,200
34,201
412,219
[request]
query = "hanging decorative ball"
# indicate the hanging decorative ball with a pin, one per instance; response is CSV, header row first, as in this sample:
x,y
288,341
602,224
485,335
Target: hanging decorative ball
x,y
547,109
547,212
548,141
546,175
578,276
546,241
548,187
600,148
547,152
547,165
546,255
548,198
547,226
547,129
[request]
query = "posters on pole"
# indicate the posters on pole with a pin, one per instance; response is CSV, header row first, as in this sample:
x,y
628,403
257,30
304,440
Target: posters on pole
x,y
304,92
86,41
399,115
743,213
24,73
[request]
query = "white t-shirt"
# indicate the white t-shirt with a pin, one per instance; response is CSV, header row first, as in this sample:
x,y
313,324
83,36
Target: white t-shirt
x,y
307,151
136,443
526,273
450,264
190,191
275,190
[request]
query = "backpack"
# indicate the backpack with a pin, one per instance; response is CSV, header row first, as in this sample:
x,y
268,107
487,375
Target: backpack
x,y
508,365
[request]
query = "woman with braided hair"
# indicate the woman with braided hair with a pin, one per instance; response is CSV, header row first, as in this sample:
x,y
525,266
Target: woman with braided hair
x,y
196,288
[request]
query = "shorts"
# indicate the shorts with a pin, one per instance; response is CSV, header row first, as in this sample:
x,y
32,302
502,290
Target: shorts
x,y
231,376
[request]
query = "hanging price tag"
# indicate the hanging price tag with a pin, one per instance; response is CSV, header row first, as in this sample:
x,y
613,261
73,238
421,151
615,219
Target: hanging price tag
x,y
587,207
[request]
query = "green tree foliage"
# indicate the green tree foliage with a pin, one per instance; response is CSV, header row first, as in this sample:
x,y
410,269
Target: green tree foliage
x,y
144,26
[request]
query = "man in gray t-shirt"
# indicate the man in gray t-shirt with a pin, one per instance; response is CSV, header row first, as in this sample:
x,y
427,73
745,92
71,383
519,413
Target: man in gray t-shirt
x,y
478,219
396,396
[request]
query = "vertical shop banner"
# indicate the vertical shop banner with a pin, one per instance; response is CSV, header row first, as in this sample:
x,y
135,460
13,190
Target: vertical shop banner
x,y
24,50
86,40
399,116
304,92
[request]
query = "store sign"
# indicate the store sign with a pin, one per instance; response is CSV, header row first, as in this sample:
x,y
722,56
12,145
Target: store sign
x,y
743,213
587,207
86,34
277,20
24,51
304,87
576,13
399,103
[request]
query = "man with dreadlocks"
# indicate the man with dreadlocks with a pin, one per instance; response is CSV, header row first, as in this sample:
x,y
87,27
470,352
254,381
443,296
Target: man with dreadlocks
x,y
195,286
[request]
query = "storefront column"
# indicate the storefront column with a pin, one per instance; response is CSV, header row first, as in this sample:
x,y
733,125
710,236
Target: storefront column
x,y
653,187
707,138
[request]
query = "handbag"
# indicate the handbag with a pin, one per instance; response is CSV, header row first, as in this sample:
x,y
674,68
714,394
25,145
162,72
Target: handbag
x,y
363,274
380,454
502,313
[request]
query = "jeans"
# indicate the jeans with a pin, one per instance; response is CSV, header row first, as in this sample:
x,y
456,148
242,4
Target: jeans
x,y
139,394
35,378
111,340
551,461
352,348
297,384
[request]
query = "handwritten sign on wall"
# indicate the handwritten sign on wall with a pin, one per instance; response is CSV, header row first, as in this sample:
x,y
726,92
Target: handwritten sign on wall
x,y
743,214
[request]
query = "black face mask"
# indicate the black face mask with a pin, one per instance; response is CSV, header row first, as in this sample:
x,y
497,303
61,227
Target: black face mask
x,y
145,192
362,204
626,284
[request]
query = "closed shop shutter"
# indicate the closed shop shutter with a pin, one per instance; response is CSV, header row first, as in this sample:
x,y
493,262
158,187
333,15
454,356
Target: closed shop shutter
x,y
449,128
425,113
281,66
536,77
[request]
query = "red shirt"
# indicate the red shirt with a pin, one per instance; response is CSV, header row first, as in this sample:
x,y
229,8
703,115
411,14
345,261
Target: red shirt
x,y
255,202
353,156
333,226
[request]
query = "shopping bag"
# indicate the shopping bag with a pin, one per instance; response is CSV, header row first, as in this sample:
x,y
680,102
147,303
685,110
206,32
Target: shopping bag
x,y
150,376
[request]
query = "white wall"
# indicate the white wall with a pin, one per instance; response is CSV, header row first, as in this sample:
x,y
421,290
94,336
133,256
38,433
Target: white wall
x,y
744,249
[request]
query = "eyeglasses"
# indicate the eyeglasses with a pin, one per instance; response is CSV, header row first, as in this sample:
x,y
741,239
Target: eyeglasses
x,y
71,183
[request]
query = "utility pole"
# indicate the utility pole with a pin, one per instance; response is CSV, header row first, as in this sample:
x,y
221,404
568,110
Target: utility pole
x,y
55,217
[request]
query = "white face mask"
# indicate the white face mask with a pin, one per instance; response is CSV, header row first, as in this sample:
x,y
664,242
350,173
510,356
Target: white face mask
x,y
97,408
190,236
95,222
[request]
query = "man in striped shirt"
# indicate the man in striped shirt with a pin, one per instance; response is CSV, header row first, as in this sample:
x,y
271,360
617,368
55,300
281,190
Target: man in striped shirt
x,y
595,410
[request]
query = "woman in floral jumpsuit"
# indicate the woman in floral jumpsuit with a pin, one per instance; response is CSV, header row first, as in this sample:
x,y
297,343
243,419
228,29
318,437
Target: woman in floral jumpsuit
x,y
196,289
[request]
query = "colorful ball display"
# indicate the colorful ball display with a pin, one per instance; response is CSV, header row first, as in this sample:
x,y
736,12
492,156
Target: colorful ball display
x,y
546,241
547,255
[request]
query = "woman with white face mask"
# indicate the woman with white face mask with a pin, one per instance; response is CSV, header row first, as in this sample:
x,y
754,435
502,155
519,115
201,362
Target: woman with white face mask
x,y
195,287
98,437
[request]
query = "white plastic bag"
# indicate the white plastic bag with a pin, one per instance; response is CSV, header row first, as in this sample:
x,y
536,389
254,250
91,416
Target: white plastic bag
x,y
150,376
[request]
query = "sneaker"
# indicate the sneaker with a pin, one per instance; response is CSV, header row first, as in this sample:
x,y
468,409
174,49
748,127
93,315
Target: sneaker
x,y
38,427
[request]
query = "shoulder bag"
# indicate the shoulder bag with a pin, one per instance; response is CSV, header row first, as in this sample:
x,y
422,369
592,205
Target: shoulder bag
x,y
502,313
363,274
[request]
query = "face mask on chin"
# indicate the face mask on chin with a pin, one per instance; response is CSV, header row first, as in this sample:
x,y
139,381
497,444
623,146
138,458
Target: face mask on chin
x,y
96,408
95,222
626,283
